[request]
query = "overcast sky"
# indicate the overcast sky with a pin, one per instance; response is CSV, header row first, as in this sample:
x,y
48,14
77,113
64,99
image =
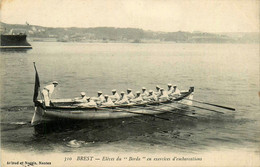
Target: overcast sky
x,y
156,15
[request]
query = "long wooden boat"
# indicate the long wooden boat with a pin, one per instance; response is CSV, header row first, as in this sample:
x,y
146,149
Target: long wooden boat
x,y
65,109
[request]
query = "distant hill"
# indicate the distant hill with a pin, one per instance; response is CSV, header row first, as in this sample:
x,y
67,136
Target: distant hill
x,y
112,34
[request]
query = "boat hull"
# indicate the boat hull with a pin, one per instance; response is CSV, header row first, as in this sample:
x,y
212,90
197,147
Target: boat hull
x,y
65,111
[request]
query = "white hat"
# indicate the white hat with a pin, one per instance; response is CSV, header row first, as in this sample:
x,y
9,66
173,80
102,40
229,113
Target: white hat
x,y
150,91
87,98
99,92
129,89
157,86
144,88
137,92
161,89
83,93
114,90
122,92
169,84
106,96
55,82
174,85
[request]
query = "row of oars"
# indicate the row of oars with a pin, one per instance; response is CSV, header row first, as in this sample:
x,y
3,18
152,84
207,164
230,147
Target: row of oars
x,y
171,107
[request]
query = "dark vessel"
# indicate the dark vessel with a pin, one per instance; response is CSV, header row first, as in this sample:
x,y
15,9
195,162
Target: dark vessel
x,y
14,42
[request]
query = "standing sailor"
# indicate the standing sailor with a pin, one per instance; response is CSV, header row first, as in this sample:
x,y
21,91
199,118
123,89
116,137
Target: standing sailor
x,y
108,101
138,98
130,94
47,92
115,96
144,92
123,99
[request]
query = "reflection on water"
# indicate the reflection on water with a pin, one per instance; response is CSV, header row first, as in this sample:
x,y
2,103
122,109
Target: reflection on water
x,y
225,74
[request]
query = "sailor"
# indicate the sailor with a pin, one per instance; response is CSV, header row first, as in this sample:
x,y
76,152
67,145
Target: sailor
x,y
90,103
123,99
100,98
138,98
130,94
144,92
151,96
157,92
163,96
108,101
170,89
176,91
47,92
82,99
115,96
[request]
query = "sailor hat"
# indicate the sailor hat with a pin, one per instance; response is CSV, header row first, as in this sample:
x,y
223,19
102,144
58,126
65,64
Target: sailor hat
x,y
157,86
114,90
144,88
106,96
174,85
161,89
122,92
99,92
150,91
83,93
55,82
169,84
87,98
137,92
129,89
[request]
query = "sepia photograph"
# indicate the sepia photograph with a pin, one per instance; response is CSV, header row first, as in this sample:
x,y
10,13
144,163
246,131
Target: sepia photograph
x,y
129,83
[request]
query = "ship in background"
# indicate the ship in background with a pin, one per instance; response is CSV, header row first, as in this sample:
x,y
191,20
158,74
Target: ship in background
x,y
14,40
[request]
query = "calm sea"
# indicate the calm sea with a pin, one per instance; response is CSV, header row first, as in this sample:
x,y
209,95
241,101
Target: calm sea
x,y
225,74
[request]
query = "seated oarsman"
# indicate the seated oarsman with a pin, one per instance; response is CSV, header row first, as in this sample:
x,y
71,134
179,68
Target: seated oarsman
x,y
151,97
115,96
157,91
90,103
176,92
82,99
170,89
130,94
163,96
108,101
123,99
138,98
144,92
100,98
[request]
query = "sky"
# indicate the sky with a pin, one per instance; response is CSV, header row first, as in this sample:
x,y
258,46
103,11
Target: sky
x,y
155,15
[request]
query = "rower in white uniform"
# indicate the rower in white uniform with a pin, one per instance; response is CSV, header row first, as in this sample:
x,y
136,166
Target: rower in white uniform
x,y
151,96
163,96
90,103
138,98
144,92
123,99
115,96
100,98
108,101
82,99
176,92
157,91
47,92
170,89
130,94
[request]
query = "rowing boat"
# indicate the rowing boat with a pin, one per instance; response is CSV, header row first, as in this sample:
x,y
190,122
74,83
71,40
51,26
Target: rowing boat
x,y
66,109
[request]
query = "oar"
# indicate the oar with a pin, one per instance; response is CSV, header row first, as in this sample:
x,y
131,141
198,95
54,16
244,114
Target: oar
x,y
202,108
124,110
162,110
216,105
